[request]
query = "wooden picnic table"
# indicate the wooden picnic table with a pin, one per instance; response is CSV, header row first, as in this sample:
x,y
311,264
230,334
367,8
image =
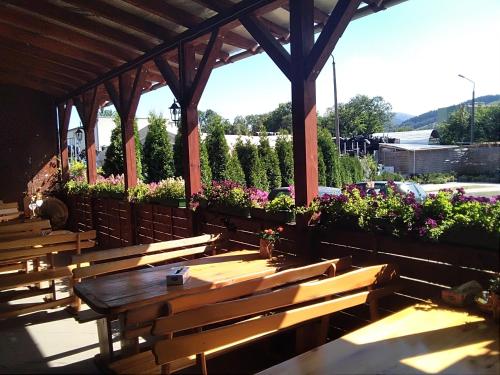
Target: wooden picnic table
x,y
114,295
424,338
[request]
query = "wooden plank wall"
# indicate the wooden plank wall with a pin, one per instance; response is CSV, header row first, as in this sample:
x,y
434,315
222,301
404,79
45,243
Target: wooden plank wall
x,y
113,222
154,223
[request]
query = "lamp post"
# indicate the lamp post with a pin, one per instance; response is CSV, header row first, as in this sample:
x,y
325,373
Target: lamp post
x,y
79,136
337,128
175,112
473,107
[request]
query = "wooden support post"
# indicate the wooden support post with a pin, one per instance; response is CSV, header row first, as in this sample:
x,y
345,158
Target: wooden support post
x,y
64,112
126,100
87,105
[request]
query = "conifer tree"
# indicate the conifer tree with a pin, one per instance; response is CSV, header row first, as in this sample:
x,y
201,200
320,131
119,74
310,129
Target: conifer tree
x,y
269,159
328,150
218,151
206,172
158,153
253,168
284,151
113,164
234,171
321,169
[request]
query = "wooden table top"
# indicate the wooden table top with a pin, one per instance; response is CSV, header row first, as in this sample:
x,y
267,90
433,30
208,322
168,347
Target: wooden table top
x,y
419,339
123,291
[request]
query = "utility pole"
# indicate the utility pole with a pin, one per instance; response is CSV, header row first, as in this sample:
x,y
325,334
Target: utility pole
x,y
335,105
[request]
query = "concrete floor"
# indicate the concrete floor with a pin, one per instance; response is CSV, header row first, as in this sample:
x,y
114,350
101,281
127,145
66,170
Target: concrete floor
x,y
48,341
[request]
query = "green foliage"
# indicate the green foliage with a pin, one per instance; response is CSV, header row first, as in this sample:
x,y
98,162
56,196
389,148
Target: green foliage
x,y
158,153
206,172
361,115
270,162
77,187
210,118
239,126
225,193
457,128
321,169
434,178
113,164
77,170
218,151
282,202
253,168
352,169
166,191
284,151
328,150
280,118
234,171
389,176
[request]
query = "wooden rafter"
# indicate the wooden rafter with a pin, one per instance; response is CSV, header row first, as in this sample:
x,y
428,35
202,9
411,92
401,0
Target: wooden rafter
x,y
31,82
53,13
36,75
14,33
169,75
274,49
123,17
63,34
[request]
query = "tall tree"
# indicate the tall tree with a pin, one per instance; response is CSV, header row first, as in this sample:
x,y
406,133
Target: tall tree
x,y
253,168
321,169
218,151
280,118
158,153
361,115
113,164
234,171
239,126
284,151
330,158
210,118
270,162
206,172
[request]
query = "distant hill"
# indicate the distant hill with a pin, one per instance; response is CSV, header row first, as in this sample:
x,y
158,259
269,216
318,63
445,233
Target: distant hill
x,y
400,117
429,119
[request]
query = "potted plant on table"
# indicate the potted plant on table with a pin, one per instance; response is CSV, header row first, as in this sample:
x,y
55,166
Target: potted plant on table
x,y
268,238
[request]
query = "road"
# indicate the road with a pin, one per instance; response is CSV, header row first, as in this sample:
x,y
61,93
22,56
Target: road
x,y
477,189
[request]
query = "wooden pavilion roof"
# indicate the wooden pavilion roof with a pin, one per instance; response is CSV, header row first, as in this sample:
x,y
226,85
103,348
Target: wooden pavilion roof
x,y
64,47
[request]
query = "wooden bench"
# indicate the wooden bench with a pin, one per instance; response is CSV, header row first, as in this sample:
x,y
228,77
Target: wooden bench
x,y
9,211
25,229
176,353
14,253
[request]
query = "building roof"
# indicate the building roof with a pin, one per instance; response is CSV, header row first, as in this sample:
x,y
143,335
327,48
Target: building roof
x,y
413,136
66,47
414,146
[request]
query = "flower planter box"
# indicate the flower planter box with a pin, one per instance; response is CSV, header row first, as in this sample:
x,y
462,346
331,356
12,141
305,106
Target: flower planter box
x,y
472,237
281,216
171,202
230,210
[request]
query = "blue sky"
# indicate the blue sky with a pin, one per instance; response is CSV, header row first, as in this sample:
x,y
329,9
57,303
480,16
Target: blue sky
x,y
409,54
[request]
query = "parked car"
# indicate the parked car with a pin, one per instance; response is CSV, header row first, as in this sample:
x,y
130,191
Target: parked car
x,y
322,190
402,186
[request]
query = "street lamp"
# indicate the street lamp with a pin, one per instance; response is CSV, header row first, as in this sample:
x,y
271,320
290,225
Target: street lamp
x,y
175,112
79,134
473,107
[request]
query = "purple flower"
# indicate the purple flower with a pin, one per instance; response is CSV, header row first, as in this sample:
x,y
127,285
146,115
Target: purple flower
x,y
431,223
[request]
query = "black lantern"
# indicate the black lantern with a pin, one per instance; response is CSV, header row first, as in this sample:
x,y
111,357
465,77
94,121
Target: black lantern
x,y
79,134
175,112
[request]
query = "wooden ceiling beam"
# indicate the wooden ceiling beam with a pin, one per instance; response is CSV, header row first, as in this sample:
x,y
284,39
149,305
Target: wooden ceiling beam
x,y
170,77
320,17
64,35
23,36
23,66
36,74
186,19
53,57
124,18
51,13
52,66
29,80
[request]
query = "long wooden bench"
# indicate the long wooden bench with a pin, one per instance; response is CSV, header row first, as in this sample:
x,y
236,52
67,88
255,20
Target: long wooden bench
x,y
25,229
33,249
9,211
178,352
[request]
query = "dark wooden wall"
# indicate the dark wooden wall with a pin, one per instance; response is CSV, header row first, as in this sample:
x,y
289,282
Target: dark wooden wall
x,y
28,142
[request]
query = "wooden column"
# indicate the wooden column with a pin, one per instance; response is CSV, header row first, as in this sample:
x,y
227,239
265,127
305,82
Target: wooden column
x,y
302,67
64,114
304,120
188,87
126,99
87,105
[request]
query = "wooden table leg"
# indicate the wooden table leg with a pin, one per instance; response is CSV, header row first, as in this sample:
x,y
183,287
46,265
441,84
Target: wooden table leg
x,y
128,346
105,339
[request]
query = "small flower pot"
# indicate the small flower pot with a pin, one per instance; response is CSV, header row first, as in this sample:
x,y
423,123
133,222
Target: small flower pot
x,y
266,249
